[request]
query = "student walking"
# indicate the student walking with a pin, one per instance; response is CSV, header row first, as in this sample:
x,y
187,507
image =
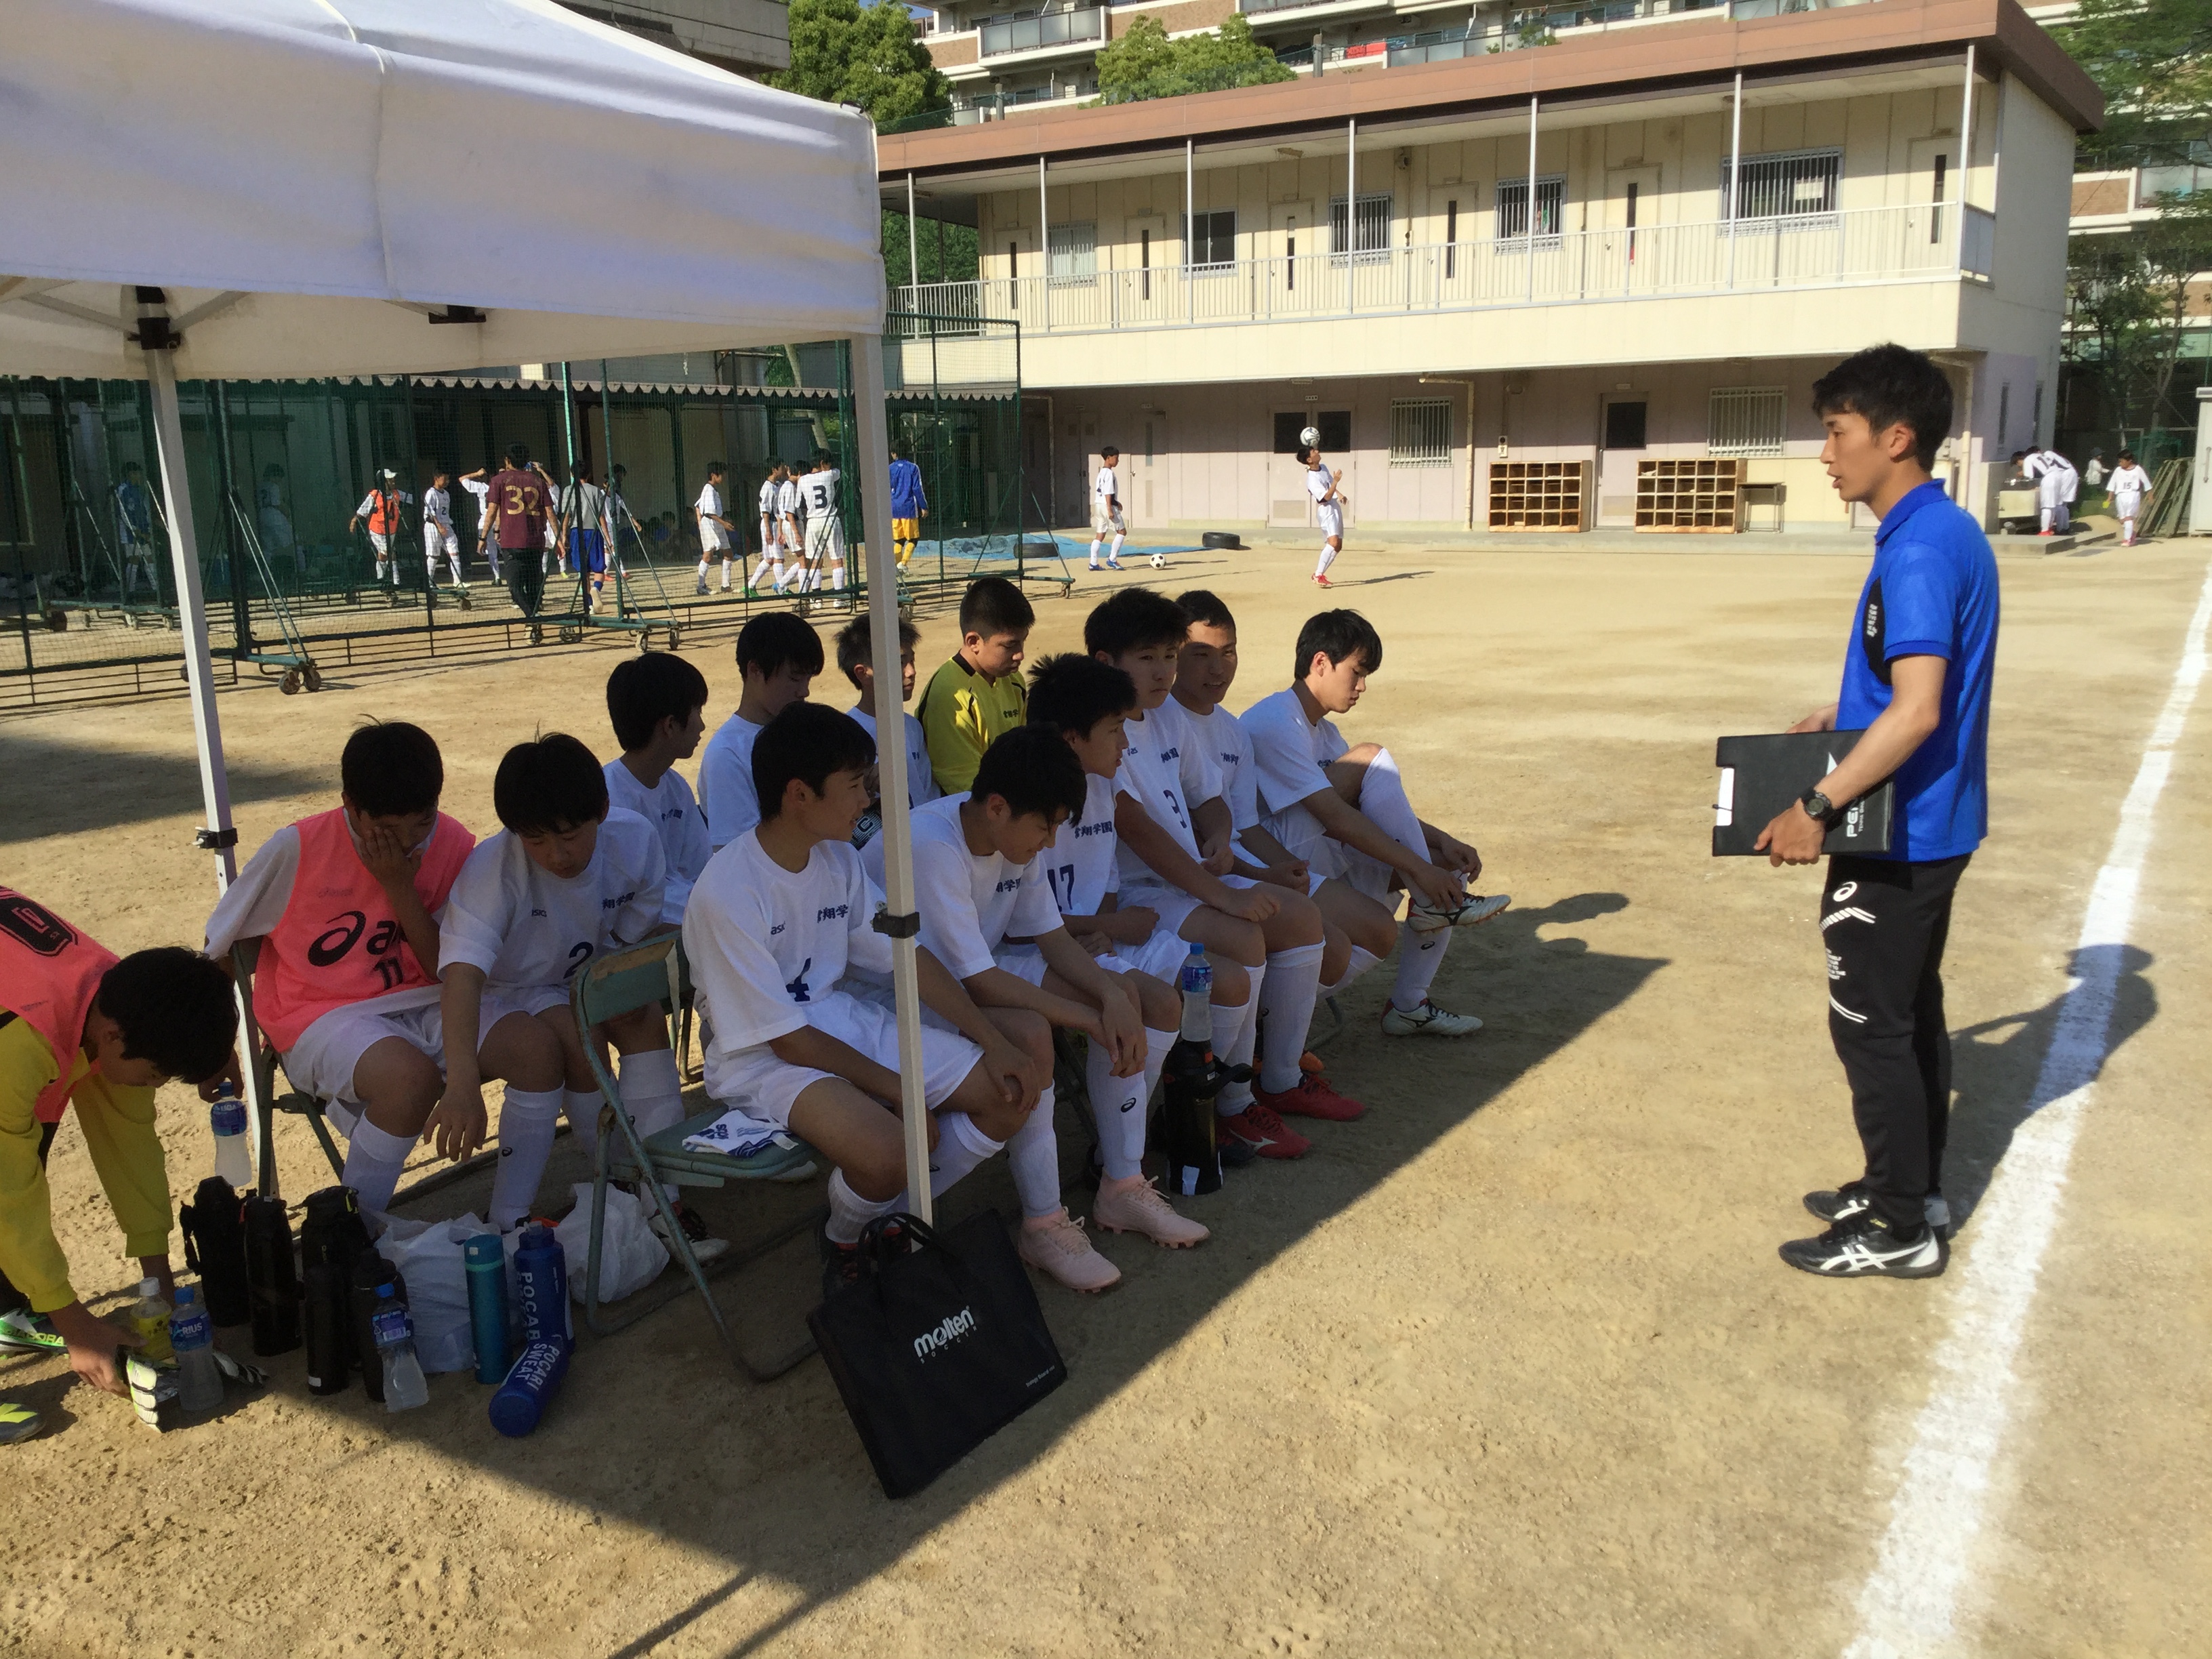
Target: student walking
x,y
1106,510
2130,489
714,536
910,505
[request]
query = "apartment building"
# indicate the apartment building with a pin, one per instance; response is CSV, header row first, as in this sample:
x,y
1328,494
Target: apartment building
x,y
746,37
1562,288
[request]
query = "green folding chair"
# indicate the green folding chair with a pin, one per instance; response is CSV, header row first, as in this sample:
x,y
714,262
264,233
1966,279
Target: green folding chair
x,y
654,974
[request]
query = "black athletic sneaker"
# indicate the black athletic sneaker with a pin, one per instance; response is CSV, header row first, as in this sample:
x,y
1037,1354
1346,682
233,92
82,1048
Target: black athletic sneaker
x,y
1861,1245
1851,1199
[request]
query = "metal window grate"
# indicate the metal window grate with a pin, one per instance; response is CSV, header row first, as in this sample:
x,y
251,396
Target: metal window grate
x,y
1786,186
1513,207
1074,253
1371,227
1420,432
1746,420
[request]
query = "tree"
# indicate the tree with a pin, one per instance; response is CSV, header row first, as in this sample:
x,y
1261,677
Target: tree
x,y
868,56
2153,60
1145,63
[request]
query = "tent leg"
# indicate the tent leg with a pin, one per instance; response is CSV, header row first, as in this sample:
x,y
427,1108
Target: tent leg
x,y
218,836
873,453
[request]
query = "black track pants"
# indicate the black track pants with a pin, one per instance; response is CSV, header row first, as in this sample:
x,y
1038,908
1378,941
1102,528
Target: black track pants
x,y
1884,922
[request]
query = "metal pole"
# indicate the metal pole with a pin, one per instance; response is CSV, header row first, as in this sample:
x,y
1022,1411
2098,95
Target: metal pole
x,y
1351,212
913,245
1044,255
241,617
1736,170
1532,201
901,919
1190,226
1965,157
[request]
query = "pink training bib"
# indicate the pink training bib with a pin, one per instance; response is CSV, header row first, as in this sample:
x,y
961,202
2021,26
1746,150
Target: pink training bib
x,y
50,974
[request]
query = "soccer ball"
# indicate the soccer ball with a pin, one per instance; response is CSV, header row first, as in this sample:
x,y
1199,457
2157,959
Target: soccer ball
x,y
1310,437
1159,561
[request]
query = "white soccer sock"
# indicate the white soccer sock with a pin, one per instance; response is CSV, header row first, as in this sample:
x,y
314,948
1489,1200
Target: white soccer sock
x,y
762,569
1113,553
1033,1155
1097,542
837,575
1117,1105
1236,1031
455,562
1327,558
1382,798
1360,963
726,575
527,1119
582,1108
1293,979
1419,956
849,1212
651,1090
960,1147
702,573
374,1158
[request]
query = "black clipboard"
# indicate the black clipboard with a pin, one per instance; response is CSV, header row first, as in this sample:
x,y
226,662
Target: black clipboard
x,y
1760,776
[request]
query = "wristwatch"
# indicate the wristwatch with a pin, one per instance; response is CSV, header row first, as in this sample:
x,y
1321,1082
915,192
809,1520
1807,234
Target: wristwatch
x,y
1817,807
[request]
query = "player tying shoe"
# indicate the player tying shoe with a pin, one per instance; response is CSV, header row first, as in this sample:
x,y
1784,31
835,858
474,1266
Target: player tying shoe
x,y
781,914
1178,858
778,656
1344,811
567,878
1106,511
977,696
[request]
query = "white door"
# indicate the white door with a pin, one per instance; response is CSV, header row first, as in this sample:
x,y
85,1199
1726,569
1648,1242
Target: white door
x,y
1621,444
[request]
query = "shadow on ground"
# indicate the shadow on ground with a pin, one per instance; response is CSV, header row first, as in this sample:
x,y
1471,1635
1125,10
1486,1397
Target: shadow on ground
x,y
54,788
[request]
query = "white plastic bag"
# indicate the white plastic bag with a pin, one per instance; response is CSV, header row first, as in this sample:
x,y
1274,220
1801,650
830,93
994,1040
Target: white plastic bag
x,y
429,1258
630,1255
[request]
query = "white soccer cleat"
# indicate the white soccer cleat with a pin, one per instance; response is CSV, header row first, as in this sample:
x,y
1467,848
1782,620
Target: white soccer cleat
x,y
1060,1250
1142,1209
1427,1020
1476,910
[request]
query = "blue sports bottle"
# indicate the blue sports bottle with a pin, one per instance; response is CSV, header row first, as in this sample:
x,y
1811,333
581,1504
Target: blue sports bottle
x,y
529,1389
485,1259
541,1279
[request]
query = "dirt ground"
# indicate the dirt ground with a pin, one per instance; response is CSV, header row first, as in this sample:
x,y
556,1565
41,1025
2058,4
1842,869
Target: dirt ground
x,y
1509,1367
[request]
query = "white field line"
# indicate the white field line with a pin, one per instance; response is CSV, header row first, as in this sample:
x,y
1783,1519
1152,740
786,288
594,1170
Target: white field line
x,y
1909,1606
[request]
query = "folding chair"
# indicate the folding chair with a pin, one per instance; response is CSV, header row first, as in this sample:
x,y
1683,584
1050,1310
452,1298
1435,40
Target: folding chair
x,y
654,974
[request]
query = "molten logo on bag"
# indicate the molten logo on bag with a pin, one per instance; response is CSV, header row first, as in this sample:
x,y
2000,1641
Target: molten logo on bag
x,y
947,1330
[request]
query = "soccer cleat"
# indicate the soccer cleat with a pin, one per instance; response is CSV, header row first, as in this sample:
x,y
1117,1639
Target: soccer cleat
x,y
1323,582
705,1247
1060,1250
1311,1096
1427,1020
1265,1133
1116,564
1142,1209
30,1333
1851,1199
1861,1247
1235,1154
17,1423
1473,913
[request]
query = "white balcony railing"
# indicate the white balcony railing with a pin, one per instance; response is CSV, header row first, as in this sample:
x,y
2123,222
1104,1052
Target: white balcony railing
x,y
1053,28
1861,247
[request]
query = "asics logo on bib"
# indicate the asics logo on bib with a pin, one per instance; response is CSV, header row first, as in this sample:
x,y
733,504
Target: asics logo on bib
x,y
33,926
774,930
1843,891
540,914
948,1329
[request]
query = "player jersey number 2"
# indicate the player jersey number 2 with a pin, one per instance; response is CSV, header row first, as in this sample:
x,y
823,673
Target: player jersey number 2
x,y
1062,882
1175,805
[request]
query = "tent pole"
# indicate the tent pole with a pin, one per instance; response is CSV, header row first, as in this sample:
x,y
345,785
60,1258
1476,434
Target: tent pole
x,y
872,444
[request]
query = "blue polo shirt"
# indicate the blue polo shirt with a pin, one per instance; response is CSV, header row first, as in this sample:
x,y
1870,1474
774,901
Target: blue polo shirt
x,y
906,498
1932,592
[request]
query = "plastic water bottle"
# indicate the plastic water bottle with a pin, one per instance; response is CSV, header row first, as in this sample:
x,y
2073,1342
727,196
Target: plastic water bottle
x,y
404,1387
199,1384
149,1319
1196,983
228,1119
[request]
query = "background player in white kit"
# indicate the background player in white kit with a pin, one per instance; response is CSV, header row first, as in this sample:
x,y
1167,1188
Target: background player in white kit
x,y
781,915
1106,510
715,536
825,531
771,537
787,521
2130,486
381,507
487,542
1328,504
438,536
567,878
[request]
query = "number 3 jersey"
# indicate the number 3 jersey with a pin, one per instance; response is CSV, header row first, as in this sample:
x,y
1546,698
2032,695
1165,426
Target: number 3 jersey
x,y
329,936
526,927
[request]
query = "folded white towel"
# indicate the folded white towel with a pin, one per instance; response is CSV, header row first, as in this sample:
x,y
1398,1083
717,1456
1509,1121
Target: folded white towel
x,y
737,1134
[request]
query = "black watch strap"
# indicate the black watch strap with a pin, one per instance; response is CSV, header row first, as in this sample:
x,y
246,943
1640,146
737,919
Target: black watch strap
x,y
1818,806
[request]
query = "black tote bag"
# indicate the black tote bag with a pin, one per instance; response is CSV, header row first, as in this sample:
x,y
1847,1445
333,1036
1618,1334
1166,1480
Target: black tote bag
x,y
936,1351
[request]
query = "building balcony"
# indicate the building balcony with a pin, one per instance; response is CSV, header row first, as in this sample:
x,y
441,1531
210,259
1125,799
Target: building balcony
x,y
1084,26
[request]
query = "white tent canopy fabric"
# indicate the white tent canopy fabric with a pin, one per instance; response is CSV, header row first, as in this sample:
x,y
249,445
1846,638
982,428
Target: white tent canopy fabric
x,y
316,180
292,189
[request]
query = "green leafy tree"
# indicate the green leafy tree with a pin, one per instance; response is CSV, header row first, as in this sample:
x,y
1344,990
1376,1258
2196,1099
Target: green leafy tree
x,y
1145,63
868,56
2153,60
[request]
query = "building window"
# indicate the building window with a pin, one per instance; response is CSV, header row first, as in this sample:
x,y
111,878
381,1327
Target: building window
x,y
1420,432
1746,420
1144,261
1371,235
1451,240
1335,425
1212,239
1075,254
1014,274
1792,185
1513,207
1627,424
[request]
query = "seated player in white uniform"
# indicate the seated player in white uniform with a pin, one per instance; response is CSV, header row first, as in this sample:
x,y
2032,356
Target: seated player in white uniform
x,y
1088,703
781,913
1178,857
1345,811
657,705
778,656
989,914
856,658
567,878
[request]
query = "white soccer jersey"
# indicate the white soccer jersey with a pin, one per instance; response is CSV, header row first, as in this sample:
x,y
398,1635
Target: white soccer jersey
x,y
768,498
1103,490
725,781
1230,748
713,538
2129,484
526,928
764,942
668,806
438,508
920,782
820,490
786,497
481,491
1167,770
969,906
1080,866
1290,761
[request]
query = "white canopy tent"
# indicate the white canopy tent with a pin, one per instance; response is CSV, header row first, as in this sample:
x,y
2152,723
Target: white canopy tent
x,y
290,189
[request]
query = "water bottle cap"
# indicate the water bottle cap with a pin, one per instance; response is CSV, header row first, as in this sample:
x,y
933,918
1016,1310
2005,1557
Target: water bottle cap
x,y
384,1290
149,1287
1196,948
185,1296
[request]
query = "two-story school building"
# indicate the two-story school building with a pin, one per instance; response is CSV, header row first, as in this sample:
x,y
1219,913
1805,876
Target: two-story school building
x,y
1582,285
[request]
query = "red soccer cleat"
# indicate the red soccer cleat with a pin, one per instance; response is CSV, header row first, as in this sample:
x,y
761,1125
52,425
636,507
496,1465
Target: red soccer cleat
x,y
1267,1134
1311,1097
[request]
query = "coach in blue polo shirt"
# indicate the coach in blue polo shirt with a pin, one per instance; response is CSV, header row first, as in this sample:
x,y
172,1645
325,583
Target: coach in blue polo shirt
x,y
1916,677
